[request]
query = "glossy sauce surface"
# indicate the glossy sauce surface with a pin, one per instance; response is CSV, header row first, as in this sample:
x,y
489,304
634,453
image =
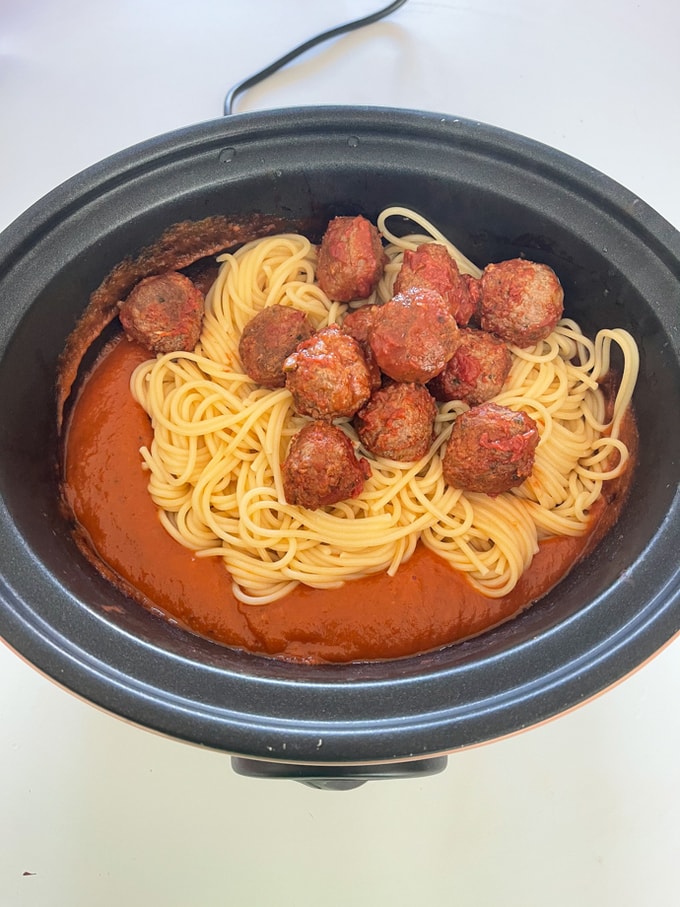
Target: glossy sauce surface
x,y
426,605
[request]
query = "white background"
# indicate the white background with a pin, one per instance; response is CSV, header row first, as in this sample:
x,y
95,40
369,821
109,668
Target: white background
x,y
582,811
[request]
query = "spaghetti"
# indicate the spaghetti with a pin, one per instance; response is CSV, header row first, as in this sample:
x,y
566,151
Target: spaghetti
x,y
219,439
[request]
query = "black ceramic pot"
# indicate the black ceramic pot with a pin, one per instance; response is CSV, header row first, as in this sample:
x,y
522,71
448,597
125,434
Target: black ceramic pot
x,y
497,196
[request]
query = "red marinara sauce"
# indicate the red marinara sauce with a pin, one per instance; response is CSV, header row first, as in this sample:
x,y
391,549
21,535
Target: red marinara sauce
x,y
425,606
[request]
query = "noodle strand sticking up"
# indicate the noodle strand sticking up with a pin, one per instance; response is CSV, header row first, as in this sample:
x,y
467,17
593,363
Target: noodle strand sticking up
x,y
219,439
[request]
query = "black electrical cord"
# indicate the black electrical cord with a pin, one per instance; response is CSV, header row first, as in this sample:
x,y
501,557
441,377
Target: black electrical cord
x,y
242,86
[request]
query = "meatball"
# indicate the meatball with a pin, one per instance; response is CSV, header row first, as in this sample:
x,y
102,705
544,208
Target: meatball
x,y
414,336
351,259
267,341
321,467
358,324
164,313
477,370
491,449
397,422
328,375
521,301
431,266
474,286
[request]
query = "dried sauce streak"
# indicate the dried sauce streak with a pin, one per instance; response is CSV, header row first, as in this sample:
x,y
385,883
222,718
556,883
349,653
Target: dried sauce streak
x,y
425,606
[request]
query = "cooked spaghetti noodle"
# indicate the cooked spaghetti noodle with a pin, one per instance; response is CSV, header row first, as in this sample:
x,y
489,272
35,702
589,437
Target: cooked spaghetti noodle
x,y
219,440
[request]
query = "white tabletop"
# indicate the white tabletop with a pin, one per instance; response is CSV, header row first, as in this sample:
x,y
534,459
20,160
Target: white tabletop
x,y
582,811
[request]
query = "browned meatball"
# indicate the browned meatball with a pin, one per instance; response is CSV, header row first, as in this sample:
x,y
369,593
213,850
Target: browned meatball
x,y
477,370
321,467
164,313
521,301
351,259
358,324
474,285
328,375
431,265
268,339
397,422
414,336
491,449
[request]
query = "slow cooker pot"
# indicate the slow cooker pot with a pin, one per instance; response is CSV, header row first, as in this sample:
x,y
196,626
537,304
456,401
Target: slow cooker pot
x,y
496,195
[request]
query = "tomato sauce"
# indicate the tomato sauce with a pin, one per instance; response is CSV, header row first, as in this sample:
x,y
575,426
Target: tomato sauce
x,y
425,606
